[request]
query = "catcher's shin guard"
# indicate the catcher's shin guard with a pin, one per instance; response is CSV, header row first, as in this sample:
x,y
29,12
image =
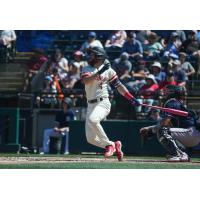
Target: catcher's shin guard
x,y
166,140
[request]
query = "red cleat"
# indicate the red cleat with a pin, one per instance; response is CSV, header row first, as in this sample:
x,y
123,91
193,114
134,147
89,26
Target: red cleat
x,y
110,150
119,153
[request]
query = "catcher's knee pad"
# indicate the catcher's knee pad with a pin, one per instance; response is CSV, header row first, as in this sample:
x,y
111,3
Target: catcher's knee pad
x,y
166,140
163,133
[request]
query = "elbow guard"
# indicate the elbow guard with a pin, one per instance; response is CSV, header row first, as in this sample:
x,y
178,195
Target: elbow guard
x,y
115,83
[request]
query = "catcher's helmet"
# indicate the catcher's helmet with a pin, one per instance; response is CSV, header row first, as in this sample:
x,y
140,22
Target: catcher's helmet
x,y
99,52
175,91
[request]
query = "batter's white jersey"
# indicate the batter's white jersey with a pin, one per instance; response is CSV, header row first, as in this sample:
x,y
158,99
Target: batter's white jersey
x,y
99,87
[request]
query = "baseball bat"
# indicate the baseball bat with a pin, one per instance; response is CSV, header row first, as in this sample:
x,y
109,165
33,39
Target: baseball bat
x,y
169,110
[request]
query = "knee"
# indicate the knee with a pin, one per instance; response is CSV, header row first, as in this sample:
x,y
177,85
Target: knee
x,y
93,120
163,133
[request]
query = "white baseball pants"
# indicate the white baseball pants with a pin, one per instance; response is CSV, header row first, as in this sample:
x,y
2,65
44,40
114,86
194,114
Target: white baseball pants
x,y
95,134
51,133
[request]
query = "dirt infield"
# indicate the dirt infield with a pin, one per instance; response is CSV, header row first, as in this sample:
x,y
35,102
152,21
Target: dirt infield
x,y
79,159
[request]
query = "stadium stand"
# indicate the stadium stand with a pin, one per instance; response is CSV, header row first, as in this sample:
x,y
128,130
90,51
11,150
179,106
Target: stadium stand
x,y
13,75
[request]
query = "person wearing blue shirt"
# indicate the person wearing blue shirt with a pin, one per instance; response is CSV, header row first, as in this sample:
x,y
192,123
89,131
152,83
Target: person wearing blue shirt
x,y
133,47
180,74
61,127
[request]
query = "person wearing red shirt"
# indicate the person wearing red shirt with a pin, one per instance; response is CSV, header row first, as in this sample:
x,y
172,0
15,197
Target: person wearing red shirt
x,y
170,80
36,61
147,93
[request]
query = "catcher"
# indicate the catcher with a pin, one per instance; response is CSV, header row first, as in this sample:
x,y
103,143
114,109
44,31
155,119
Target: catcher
x,y
175,133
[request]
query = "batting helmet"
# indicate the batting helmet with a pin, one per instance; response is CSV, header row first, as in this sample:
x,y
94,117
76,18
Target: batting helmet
x,y
99,52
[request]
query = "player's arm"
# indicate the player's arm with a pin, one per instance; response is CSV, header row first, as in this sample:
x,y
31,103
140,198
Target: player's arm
x,y
56,126
88,77
64,129
115,82
57,129
150,130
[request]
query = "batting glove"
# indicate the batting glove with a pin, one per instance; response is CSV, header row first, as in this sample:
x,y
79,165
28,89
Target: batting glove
x,y
135,102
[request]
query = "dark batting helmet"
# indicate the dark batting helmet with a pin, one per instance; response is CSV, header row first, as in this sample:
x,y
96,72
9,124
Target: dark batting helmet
x,y
99,52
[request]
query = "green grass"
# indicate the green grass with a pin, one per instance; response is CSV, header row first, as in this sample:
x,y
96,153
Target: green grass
x,y
100,166
132,164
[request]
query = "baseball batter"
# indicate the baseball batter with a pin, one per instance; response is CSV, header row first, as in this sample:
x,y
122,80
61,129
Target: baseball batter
x,y
175,132
96,78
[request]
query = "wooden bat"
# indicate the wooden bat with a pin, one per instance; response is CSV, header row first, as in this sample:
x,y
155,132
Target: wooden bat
x,y
169,110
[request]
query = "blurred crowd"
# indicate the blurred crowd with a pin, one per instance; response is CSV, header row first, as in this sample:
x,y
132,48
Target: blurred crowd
x,y
148,61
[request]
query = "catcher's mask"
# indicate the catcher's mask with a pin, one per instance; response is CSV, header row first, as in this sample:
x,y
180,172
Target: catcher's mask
x,y
95,54
174,91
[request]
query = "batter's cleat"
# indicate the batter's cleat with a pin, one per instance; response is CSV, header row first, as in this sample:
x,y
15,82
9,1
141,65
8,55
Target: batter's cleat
x,y
110,150
119,153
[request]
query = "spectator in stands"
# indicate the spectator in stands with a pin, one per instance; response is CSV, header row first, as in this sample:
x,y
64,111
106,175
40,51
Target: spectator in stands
x,y
48,97
55,77
133,47
180,75
186,66
142,35
191,48
170,80
156,70
138,66
35,62
181,35
91,42
7,40
116,40
122,65
153,49
7,37
137,81
173,45
61,128
147,93
78,60
61,63
73,76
